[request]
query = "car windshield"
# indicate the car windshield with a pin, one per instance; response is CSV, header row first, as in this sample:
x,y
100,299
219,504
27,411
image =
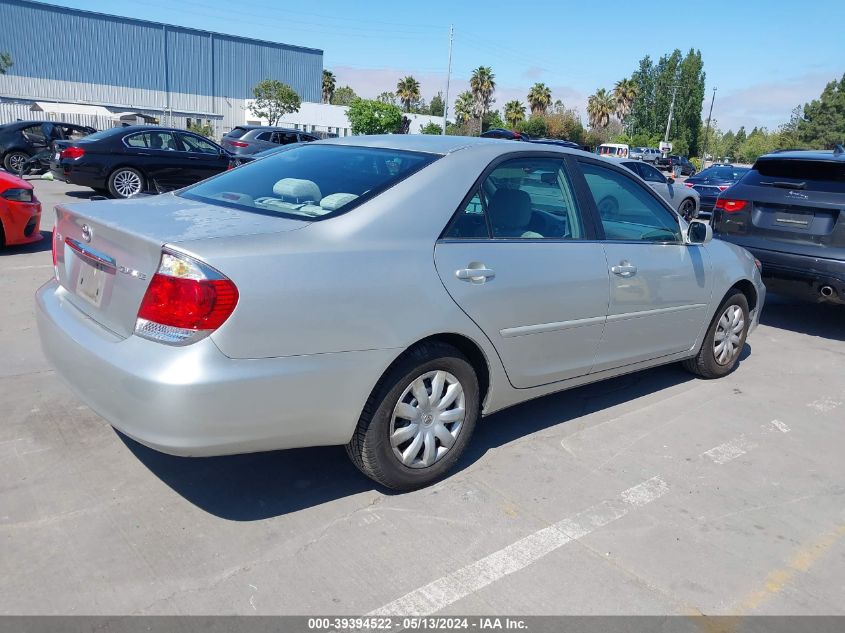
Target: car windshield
x,y
723,173
311,181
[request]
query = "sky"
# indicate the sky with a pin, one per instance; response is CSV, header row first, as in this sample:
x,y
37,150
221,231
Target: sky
x,y
763,56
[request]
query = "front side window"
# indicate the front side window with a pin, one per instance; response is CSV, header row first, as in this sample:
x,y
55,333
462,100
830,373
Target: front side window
x,y
310,181
523,198
628,211
198,144
284,138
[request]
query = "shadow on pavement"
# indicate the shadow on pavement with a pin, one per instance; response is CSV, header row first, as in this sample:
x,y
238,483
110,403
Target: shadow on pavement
x,y
263,485
45,244
825,320
84,194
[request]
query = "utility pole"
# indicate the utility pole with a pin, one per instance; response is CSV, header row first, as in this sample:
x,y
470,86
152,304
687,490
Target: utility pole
x,y
707,131
671,112
448,77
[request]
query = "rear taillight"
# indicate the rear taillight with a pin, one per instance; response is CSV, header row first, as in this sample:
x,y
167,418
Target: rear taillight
x,y
690,184
185,301
730,206
72,152
55,255
238,144
724,187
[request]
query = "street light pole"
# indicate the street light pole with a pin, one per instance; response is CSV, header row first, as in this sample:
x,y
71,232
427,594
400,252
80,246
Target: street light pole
x,y
448,77
671,112
707,130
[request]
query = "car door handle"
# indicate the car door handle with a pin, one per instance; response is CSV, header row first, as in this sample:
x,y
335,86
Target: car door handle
x,y
475,275
624,269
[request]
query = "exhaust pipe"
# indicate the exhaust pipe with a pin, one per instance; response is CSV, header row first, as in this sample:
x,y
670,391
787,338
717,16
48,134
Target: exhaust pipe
x,y
827,291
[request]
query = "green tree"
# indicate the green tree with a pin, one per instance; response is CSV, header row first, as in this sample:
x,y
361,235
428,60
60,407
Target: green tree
x,y
202,129
408,91
482,84
689,101
463,107
368,116
823,123
535,126
273,100
387,97
514,113
539,98
600,107
343,96
624,93
329,84
642,117
431,128
492,120
5,63
437,105
564,124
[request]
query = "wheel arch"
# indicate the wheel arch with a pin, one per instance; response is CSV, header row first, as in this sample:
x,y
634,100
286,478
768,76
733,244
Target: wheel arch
x,y
747,288
111,170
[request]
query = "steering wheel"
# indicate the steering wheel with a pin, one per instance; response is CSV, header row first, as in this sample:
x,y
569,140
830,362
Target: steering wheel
x,y
608,206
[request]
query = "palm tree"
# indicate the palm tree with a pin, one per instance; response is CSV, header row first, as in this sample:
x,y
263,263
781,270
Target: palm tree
x,y
482,83
514,112
539,98
463,107
600,107
328,85
624,92
408,91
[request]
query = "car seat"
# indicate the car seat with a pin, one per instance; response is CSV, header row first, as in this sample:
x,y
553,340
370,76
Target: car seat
x,y
510,214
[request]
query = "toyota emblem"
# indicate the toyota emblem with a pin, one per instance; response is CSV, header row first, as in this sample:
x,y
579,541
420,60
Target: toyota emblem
x,y
86,232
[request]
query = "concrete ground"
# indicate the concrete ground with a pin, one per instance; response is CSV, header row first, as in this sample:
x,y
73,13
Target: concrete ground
x,y
655,493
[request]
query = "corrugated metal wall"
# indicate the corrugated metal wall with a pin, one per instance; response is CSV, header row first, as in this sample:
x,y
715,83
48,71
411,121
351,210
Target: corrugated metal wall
x,y
75,56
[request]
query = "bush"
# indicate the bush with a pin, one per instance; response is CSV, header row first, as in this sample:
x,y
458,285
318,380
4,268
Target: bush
x,y
696,162
367,116
431,128
202,129
534,127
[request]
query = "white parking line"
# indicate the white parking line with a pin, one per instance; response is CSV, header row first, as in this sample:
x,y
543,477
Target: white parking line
x,y
452,587
780,426
824,405
724,453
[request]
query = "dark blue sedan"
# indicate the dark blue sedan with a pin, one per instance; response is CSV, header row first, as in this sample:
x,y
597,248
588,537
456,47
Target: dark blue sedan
x,y
711,182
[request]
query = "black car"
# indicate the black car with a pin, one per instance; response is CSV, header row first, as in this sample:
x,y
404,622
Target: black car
x,y
789,212
711,182
237,161
673,160
125,161
245,140
558,142
508,135
22,140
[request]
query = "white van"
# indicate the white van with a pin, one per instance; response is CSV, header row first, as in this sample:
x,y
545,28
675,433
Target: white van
x,y
614,150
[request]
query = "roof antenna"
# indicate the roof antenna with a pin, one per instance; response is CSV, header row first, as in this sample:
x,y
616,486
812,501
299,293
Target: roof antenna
x,y
838,150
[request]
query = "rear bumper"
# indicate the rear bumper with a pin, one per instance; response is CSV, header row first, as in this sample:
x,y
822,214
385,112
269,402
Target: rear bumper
x,y
801,275
194,400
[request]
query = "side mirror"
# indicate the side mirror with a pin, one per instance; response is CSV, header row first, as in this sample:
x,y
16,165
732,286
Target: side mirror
x,y
699,232
670,180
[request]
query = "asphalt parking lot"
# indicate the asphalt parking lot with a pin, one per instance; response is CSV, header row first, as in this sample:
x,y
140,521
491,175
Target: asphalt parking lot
x,y
654,493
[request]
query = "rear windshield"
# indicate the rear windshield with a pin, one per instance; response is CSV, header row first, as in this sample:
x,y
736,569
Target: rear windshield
x,y
723,173
812,175
311,181
237,132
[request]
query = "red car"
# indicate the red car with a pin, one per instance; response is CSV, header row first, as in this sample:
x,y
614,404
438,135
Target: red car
x,y
20,211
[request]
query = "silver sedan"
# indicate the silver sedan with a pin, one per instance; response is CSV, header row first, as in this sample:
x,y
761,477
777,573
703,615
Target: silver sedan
x,y
685,200
383,293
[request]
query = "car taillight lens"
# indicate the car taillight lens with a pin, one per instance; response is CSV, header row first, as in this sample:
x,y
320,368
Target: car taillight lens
x,y
238,144
724,187
185,301
730,206
690,184
72,152
18,195
55,255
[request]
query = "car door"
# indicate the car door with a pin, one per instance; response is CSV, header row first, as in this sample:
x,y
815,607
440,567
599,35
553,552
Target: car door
x,y
659,285
522,262
203,158
157,155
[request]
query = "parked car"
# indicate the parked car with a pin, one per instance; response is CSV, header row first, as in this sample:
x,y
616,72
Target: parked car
x,y
508,135
636,153
672,161
788,212
245,140
381,292
126,161
22,140
683,200
650,155
613,150
20,212
556,141
711,182
237,161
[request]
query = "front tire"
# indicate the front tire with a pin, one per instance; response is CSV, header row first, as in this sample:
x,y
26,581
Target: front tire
x,y
419,418
724,340
125,182
14,161
687,209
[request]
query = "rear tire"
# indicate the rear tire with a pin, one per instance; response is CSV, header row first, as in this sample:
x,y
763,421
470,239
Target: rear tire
x,y
125,182
14,160
687,209
724,340
399,433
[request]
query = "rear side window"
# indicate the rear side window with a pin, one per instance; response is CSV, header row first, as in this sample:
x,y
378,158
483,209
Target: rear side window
x,y
811,175
236,132
310,181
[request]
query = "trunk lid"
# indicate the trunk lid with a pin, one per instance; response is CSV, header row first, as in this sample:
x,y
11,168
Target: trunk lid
x,y
107,252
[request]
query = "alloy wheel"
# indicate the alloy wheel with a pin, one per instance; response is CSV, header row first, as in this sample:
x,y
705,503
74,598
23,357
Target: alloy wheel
x,y
16,162
427,419
127,183
728,335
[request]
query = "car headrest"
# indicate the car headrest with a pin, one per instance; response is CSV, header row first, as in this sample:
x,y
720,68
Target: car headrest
x,y
334,201
510,209
297,188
